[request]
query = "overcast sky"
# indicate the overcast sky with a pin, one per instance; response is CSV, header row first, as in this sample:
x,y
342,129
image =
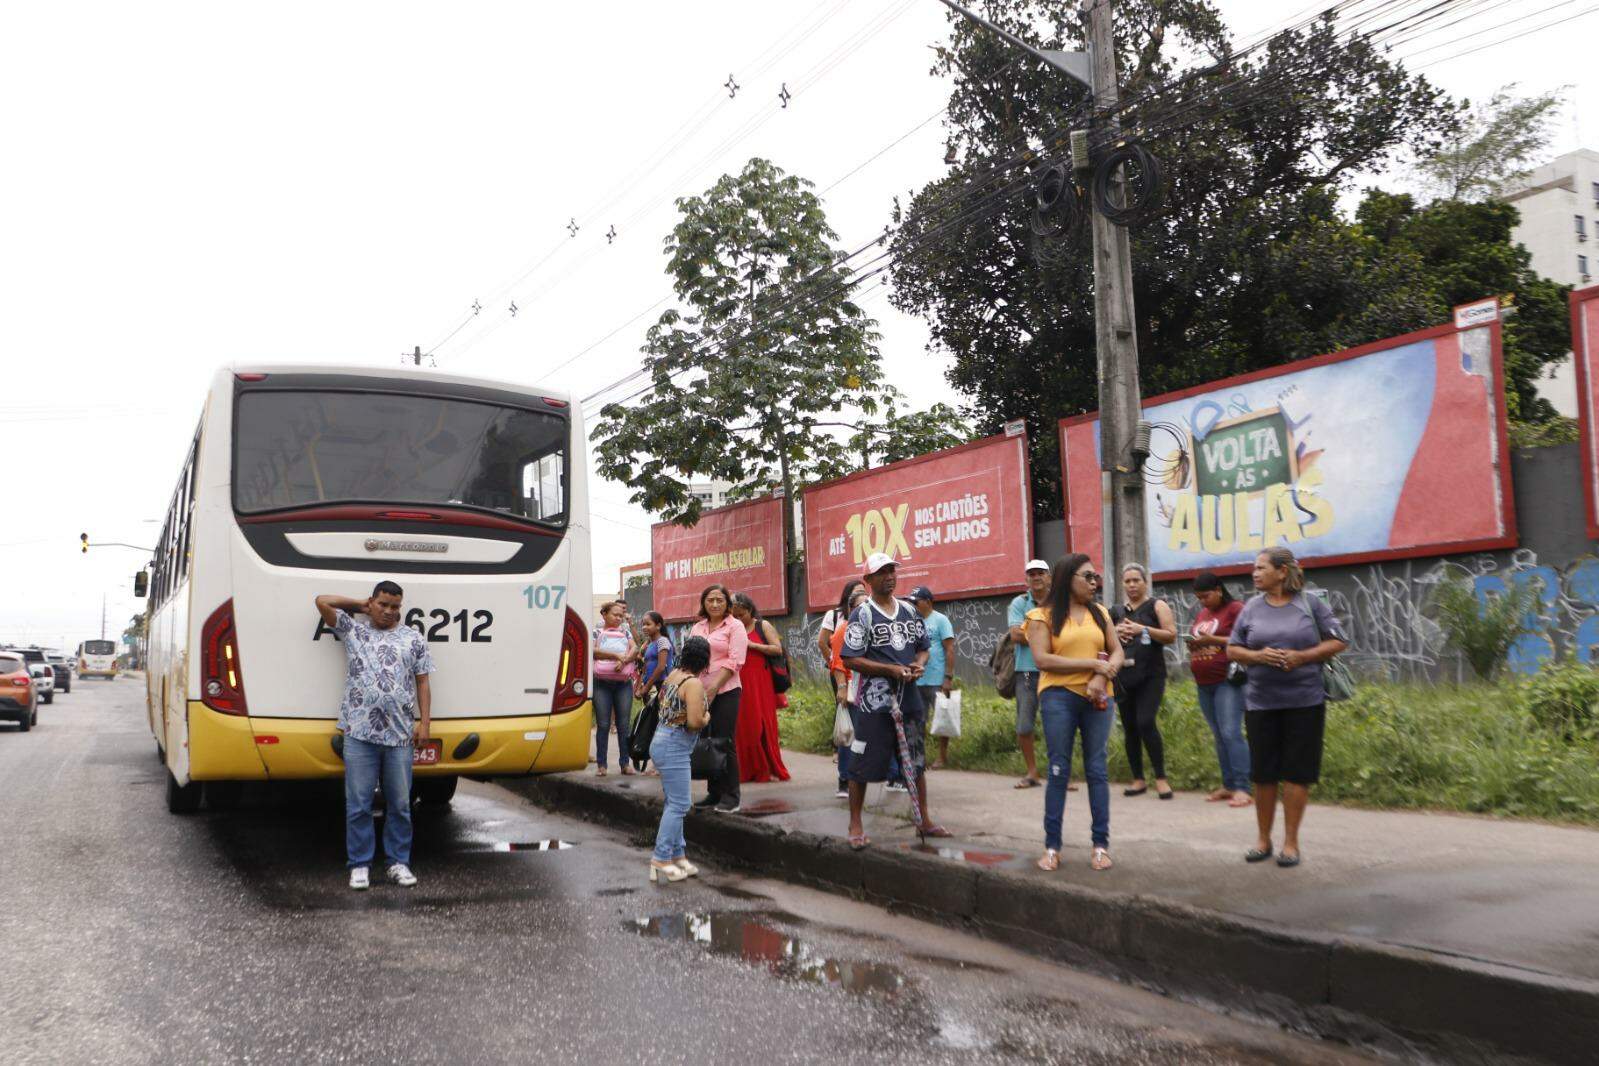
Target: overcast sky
x,y
197,184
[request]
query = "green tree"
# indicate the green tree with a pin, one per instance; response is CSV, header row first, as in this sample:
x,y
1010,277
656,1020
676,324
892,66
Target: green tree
x,y
133,633
1249,265
1483,631
1464,251
767,368
1495,144
893,435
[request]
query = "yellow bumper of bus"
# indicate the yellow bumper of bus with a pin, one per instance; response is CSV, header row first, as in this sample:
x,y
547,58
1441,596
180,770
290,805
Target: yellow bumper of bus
x,y
225,747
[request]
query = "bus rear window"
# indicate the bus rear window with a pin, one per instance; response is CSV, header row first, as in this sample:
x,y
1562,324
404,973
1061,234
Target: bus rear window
x,y
99,647
298,449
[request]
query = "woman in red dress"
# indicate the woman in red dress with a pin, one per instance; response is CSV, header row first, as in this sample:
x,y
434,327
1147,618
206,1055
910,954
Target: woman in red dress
x,y
760,758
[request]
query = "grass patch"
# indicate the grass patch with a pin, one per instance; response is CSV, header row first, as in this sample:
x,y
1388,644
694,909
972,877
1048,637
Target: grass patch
x,y
1471,748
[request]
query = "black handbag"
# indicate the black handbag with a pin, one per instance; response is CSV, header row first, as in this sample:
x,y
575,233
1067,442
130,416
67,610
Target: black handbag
x,y
708,760
1237,673
781,678
643,735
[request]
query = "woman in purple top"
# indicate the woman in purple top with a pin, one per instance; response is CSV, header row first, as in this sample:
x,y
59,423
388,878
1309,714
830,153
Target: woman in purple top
x,y
1282,637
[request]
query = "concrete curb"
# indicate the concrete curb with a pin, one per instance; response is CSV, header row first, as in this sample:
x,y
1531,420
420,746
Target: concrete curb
x,y
1338,987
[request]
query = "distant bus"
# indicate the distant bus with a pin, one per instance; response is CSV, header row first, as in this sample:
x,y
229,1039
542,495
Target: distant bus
x,y
97,658
300,480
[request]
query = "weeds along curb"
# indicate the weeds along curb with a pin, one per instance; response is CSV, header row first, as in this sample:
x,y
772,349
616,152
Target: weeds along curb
x,y
1341,988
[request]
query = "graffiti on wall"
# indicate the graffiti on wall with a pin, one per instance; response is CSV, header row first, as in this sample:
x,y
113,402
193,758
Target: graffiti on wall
x,y
1385,609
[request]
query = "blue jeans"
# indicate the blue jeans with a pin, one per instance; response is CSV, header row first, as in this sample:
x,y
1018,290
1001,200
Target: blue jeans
x,y
612,700
1065,713
670,752
1223,707
364,764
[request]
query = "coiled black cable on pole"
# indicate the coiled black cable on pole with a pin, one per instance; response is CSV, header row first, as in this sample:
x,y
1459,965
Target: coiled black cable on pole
x,y
1141,198
1057,202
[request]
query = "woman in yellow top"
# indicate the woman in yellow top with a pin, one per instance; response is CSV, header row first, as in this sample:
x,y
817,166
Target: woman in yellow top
x,y
1077,654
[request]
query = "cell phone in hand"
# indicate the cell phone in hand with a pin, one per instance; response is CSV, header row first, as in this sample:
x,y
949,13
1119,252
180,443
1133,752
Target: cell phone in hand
x,y
1189,638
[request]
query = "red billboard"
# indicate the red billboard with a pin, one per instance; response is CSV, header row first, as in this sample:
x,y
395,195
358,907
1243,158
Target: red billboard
x,y
1391,450
739,546
1584,340
959,521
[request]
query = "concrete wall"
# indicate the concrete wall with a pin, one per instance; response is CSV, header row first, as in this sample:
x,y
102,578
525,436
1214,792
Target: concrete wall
x,y
1384,605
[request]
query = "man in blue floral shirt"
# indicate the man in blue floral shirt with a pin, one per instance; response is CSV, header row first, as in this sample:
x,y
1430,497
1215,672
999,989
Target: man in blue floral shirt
x,y
388,673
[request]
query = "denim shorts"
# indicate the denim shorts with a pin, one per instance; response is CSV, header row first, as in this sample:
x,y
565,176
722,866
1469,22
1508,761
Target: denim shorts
x,y
1026,702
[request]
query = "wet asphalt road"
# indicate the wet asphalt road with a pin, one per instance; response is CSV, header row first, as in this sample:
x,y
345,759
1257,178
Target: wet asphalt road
x,y
131,935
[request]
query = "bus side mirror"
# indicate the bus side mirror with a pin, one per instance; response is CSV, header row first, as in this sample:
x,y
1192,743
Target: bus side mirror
x,y
141,584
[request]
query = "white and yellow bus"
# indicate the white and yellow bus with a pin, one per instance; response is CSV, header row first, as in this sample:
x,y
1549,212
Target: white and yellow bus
x,y
471,494
97,658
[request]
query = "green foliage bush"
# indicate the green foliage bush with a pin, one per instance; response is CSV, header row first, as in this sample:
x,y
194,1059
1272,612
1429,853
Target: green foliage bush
x,y
1477,748
1561,698
1484,632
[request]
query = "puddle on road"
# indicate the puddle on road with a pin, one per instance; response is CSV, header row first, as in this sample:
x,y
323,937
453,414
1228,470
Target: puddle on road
x,y
981,858
766,808
754,937
533,845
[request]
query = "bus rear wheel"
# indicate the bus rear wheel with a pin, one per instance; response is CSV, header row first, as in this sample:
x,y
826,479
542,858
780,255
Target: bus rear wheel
x,y
436,791
182,799
223,795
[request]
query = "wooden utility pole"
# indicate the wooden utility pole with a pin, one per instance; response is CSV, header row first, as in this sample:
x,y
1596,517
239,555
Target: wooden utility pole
x,y
1115,326
1115,334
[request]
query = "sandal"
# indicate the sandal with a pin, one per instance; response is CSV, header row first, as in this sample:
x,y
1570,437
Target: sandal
x,y
1101,859
600,772
1241,799
1050,861
1218,795
1027,782
858,841
933,831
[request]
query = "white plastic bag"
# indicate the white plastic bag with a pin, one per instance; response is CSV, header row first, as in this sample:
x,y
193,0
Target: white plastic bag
x,y
843,727
947,715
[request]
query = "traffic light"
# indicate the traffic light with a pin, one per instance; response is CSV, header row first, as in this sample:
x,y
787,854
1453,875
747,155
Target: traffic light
x,y
84,537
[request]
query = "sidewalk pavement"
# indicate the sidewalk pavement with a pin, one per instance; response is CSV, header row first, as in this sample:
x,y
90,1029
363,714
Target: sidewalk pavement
x,y
1519,893
1471,937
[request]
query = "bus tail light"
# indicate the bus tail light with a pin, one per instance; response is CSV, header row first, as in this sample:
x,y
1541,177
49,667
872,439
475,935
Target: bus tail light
x,y
572,670
221,683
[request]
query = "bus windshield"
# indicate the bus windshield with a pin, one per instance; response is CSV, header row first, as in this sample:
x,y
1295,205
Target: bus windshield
x,y
304,448
99,647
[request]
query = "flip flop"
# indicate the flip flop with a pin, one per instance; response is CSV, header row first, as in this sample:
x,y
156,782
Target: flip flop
x,y
859,842
1026,782
934,831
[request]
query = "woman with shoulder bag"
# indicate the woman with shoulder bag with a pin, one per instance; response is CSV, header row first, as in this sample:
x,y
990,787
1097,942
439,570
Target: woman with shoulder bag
x,y
1144,625
1283,636
684,712
760,756
723,689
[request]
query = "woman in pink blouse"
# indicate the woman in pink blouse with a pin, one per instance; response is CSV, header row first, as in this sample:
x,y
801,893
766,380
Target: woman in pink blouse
x,y
729,643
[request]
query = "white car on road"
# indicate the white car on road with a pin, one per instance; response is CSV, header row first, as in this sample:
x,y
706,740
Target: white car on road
x,y
44,681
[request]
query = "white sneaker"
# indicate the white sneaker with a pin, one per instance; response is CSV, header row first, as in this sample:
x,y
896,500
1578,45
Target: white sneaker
x,y
359,879
896,786
401,875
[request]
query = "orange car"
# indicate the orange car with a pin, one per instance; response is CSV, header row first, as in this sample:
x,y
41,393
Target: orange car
x,y
18,699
